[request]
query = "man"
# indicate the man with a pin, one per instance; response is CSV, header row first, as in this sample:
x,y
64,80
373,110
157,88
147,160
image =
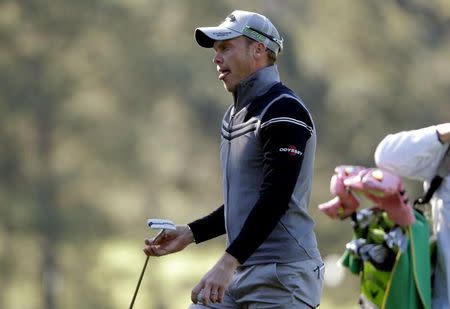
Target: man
x,y
417,154
268,143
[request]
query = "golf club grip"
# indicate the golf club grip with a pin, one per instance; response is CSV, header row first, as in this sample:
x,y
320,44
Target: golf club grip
x,y
139,282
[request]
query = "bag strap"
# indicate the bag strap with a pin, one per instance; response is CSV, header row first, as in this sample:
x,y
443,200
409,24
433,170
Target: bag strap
x,y
442,171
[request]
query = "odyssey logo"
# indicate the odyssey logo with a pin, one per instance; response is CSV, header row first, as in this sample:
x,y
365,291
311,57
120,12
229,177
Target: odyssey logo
x,y
291,150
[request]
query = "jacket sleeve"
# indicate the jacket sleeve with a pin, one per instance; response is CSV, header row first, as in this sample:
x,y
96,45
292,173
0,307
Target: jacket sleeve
x,y
414,154
209,227
284,132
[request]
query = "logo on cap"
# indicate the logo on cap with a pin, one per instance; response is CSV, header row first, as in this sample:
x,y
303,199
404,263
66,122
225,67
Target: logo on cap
x,y
231,18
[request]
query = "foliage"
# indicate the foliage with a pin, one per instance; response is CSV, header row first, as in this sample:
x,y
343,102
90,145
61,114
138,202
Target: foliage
x,y
110,114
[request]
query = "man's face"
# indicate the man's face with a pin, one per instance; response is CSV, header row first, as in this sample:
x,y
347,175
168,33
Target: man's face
x,y
234,60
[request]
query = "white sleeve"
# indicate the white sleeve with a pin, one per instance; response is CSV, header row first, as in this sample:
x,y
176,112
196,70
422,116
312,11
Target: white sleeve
x,y
413,154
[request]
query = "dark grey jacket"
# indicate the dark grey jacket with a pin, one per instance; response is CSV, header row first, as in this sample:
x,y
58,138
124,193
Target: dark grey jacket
x,y
267,152
248,166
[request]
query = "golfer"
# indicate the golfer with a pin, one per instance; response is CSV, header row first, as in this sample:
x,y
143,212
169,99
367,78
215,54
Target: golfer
x,y
268,143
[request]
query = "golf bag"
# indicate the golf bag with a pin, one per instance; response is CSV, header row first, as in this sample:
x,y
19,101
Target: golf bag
x,y
390,248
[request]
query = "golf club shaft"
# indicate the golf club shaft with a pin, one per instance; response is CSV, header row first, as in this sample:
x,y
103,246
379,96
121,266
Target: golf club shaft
x,y
139,282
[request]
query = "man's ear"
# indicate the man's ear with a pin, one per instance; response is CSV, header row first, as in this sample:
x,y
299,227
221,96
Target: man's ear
x,y
260,50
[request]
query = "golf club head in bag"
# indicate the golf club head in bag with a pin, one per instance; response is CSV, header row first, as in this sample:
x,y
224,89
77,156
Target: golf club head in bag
x,y
345,202
386,190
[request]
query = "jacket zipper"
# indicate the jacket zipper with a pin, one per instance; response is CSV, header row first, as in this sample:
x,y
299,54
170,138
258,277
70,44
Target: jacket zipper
x,y
230,124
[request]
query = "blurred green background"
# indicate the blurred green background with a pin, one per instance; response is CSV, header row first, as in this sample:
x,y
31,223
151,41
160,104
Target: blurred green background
x,y
110,114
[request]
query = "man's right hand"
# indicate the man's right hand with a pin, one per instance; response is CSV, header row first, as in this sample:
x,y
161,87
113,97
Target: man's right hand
x,y
169,241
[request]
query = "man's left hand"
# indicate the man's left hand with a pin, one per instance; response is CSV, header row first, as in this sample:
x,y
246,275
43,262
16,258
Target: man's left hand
x,y
212,286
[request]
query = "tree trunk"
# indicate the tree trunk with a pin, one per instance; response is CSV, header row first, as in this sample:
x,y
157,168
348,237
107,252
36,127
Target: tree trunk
x,y
48,219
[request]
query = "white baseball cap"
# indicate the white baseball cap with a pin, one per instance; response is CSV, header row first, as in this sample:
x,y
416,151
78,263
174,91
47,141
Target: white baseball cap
x,y
253,25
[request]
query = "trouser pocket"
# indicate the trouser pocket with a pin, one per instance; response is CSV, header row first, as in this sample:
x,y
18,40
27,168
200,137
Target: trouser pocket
x,y
303,279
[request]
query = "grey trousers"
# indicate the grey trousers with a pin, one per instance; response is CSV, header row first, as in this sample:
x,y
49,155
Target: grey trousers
x,y
269,286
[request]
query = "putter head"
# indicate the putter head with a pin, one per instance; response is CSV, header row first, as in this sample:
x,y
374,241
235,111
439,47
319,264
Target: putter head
x,y
161,224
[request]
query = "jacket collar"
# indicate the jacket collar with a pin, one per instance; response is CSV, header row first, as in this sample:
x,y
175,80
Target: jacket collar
x,y
255,85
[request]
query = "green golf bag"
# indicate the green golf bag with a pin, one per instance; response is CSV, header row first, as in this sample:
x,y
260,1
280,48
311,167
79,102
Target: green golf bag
x,y
393,262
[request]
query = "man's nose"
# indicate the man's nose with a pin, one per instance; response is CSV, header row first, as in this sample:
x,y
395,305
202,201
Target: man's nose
x,y
217,58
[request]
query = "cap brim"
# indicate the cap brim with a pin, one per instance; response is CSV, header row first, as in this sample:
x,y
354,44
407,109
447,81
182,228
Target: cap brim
x,y
206,36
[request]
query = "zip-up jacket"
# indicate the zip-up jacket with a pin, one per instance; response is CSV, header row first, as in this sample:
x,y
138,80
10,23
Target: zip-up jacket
x,y
267,151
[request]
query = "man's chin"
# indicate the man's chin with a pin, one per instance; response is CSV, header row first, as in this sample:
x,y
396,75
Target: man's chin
x,y
228,87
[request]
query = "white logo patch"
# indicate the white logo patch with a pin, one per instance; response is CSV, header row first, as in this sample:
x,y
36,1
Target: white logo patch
x,y
291,150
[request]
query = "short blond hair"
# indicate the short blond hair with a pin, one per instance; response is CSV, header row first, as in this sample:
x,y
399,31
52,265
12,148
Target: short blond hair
x,y
271,56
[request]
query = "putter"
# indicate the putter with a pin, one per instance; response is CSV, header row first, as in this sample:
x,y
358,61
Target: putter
x,y
157,224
